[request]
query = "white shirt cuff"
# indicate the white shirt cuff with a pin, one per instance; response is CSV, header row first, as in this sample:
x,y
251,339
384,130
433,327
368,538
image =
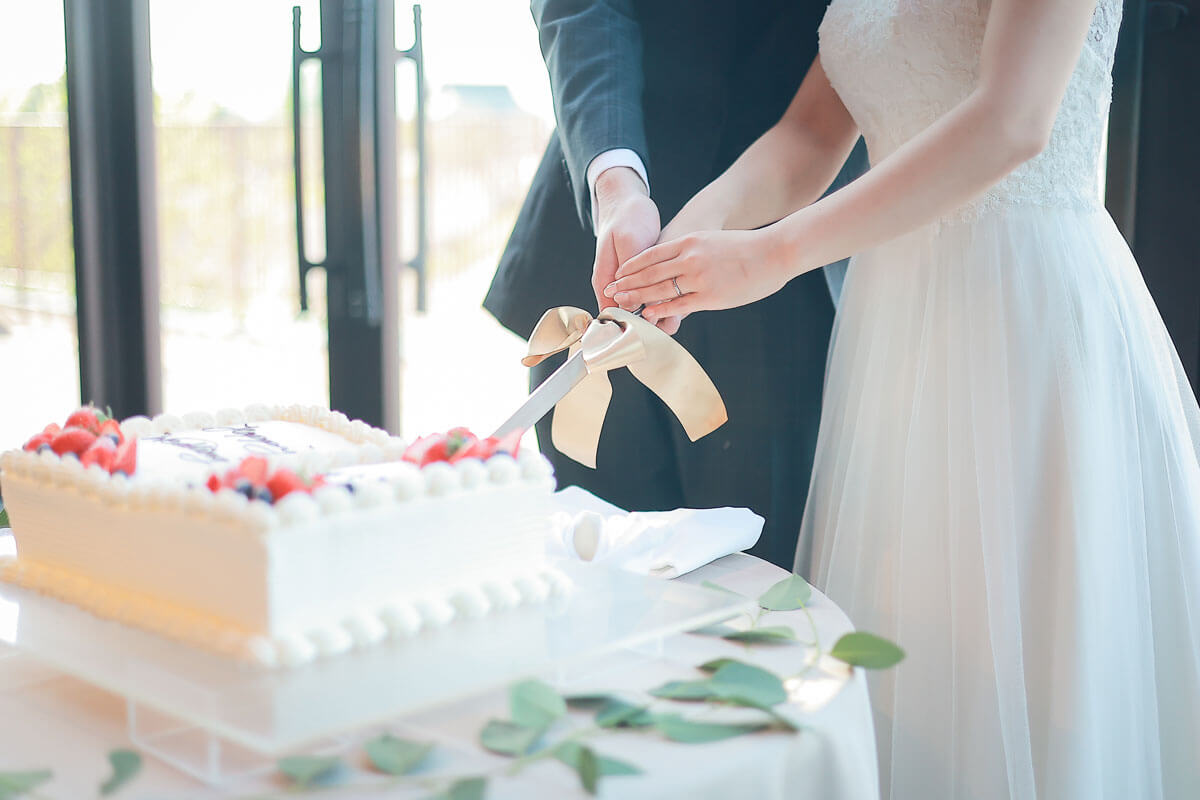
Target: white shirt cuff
x,y
618,157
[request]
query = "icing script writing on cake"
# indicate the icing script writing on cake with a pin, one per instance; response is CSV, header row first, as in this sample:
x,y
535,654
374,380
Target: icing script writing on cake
x,y
204,451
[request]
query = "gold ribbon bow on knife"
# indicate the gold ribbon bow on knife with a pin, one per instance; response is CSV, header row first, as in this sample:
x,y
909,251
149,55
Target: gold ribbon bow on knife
x,y
614,339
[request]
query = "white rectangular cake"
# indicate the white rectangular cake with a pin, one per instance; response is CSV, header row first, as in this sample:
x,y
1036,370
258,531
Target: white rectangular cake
x,y
362,547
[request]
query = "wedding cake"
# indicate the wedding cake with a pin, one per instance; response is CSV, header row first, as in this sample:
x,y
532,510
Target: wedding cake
x,y
276,535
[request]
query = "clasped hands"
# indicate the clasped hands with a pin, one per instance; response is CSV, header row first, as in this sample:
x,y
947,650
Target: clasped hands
x,y
681,268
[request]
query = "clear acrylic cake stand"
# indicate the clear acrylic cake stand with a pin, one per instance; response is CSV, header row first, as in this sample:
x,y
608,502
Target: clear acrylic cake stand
x,y
221,721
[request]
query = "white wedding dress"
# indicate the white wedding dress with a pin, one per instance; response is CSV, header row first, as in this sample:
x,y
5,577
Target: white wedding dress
x,y
1007,477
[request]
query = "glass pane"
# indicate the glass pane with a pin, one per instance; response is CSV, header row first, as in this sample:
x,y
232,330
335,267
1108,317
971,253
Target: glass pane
x,y
39,356
232,333
490,116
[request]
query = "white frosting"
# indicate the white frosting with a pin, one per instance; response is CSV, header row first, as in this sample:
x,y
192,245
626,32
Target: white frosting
x,y
383,551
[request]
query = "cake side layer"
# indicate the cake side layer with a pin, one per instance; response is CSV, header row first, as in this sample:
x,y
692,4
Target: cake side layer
x,y
334,568
207,564
391,623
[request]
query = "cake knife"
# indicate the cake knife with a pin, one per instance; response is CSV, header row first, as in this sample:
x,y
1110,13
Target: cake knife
x,y
548,393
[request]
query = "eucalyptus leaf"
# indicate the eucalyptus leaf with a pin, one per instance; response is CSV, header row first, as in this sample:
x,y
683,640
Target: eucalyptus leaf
x,y
465,789
587,700
768,634
125,764
860,649
568,753
617,713
588,769
306,770
535,704
396,756
509,739
684,690
739,680
4,523
715,664
789,594
15,784
679,729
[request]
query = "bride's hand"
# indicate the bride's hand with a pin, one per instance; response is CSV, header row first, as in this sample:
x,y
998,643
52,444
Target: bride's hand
x,y
711,269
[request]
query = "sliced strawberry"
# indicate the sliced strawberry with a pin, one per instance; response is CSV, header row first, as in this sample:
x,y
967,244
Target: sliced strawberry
x,y
110,427
480,448
72,440
458,442
97,454
84,418
213,483
255,470
509,443
283,483
36,443
125,457
415,452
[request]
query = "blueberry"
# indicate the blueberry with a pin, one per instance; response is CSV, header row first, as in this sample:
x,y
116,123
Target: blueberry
x,y
265,495
350,488
244,487
44,448
112,437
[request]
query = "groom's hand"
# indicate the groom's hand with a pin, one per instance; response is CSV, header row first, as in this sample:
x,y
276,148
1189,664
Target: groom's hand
x,y
627,223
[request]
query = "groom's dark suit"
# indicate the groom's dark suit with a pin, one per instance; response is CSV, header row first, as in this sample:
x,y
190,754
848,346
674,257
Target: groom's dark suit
x,y
687,86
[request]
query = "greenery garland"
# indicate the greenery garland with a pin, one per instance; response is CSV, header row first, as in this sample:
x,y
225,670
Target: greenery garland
x,y
535,729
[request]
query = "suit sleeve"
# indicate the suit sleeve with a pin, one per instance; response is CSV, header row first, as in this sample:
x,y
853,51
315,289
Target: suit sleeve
x,y
593,52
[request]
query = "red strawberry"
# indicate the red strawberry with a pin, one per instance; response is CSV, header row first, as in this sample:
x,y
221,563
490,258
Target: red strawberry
x,y
84,418
283,483
125,457
213,483
72,440
509,443
415,452
98,454
38,441
254,469
52,429
110,427
449,445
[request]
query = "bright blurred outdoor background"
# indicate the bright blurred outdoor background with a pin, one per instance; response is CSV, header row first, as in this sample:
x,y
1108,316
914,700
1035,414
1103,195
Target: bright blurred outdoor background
x,y
231,330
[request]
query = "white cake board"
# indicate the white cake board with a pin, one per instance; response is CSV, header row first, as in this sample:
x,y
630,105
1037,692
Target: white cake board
x,y
215,718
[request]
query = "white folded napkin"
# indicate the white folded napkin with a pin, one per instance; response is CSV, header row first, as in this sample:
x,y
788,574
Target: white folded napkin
x,y
666,544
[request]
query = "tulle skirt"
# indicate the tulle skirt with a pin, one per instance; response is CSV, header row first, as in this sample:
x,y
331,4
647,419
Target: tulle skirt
x,y
1007,483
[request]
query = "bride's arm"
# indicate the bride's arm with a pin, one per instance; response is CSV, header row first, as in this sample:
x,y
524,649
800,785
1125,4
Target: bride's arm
x,y
1030,49
786,168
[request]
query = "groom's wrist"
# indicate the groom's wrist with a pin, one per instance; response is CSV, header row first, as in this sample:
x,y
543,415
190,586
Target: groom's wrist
x,y
615,185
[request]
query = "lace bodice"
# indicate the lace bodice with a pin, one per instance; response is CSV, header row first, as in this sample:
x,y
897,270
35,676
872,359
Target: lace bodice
x,y
899,65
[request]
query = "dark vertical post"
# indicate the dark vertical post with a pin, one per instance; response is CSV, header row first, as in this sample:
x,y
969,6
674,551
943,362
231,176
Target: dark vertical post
x,y
111,127
363,355
387,197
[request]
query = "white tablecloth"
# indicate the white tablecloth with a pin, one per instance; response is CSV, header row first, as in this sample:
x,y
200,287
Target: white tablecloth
x,y
50,720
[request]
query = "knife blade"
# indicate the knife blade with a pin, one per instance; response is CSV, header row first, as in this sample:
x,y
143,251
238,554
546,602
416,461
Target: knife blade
x,y
548,393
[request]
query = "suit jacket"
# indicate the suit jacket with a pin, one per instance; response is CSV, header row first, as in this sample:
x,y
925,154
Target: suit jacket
x,y
688,85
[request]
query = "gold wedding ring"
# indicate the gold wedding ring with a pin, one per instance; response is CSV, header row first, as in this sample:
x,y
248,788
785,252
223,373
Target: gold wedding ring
x,y
675,283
